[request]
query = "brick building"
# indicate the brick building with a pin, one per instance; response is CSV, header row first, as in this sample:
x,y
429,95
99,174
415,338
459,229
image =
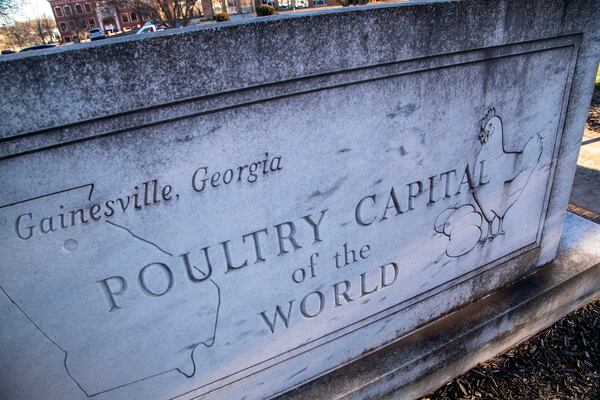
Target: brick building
x,y
231,7
212,7
74,18
296,4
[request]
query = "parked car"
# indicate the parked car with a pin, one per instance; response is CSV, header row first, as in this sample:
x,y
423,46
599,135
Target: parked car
x,y
146,29
96,34
39,47
157,24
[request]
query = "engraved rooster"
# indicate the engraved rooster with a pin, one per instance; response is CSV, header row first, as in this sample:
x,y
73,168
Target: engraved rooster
x,y
507,172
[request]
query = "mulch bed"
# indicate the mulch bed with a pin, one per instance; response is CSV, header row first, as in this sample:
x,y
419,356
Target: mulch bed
x,y
561,362
593,121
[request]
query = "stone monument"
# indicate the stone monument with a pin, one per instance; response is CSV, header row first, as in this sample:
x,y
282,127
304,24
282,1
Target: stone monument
x,y
231,211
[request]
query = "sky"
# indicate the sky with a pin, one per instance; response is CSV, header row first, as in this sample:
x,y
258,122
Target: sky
x,y
32,9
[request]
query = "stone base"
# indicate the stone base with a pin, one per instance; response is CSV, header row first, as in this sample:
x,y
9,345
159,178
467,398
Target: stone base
x,y
422,361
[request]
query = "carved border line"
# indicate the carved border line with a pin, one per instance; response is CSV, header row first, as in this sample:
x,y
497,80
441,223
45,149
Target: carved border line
x,y
559,131
91,185
32,142
574,41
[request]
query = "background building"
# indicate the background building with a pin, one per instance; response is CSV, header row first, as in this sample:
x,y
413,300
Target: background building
x,y
74,18
212,7
232,7
295,4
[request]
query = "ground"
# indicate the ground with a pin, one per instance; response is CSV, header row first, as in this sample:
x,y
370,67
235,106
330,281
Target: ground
x,y
563,361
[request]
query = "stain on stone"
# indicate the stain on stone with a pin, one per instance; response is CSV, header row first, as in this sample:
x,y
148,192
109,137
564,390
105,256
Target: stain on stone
x,y
344,150
403,110
328,192
297,373
408,109
401,149
187,138
212,129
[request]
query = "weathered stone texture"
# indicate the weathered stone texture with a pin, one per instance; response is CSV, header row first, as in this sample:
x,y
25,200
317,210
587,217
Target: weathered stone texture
x,y
230,211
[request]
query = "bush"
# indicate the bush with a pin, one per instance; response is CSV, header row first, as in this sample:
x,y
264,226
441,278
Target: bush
x,y
222,17
264,10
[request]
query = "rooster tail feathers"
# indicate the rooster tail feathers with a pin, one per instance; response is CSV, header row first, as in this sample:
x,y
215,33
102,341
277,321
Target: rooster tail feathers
x,y
533,149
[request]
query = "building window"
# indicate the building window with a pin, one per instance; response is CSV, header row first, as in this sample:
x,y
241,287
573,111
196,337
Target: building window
x,y
72,25
67,39
133,17
88,8
63,27
78,9
58,11
145,17
67,10
124,18
92,22
319,2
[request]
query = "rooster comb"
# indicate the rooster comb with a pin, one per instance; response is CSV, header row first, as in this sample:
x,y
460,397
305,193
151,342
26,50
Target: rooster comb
x,y
491,112
483,133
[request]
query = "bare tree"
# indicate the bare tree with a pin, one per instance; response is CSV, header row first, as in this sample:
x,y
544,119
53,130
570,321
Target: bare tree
x,y
80,27
170,13
19,34
44,27
116,5
77,25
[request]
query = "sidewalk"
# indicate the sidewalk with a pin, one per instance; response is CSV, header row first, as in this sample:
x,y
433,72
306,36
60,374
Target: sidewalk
x,y
586,187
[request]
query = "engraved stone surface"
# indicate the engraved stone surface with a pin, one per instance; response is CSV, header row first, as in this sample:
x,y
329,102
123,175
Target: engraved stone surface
x,y
235,238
